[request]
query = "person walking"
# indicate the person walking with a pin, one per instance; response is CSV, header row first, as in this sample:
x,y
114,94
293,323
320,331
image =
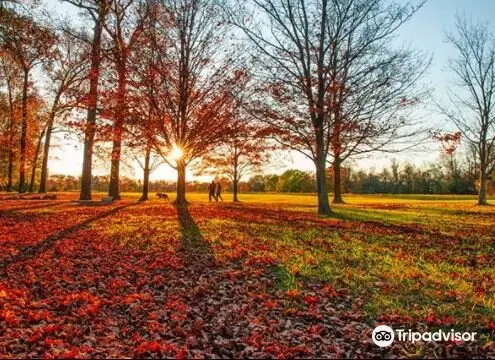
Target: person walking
x,y
218,191
212,190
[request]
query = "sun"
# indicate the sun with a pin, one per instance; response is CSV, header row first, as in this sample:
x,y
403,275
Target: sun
x,y
176,153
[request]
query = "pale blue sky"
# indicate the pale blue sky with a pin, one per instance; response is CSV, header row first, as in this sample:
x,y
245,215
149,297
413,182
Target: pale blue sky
x,y
426,31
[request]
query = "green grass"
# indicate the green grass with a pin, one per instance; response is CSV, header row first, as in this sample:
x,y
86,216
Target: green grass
x,y
414,256
435,255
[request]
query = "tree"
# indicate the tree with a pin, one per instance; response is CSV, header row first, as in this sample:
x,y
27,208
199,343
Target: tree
x,y
39,139
12,83
244,150
67,73
36,118
195,78
124,24
28,45
334,84
141,113
97,10
472,100
449,143
296,181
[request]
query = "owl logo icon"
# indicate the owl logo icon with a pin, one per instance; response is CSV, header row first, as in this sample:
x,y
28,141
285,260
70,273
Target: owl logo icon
x,y
383,336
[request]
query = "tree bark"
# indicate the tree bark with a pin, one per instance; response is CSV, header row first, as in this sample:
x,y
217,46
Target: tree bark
x,y
44,165
22,165
146,176
235,185
337,191
114,188
10,171
181,183
46,148
321,180
89,135
482,200
35,162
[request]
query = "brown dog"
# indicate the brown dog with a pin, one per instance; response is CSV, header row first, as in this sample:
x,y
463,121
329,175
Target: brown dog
x,y
162,196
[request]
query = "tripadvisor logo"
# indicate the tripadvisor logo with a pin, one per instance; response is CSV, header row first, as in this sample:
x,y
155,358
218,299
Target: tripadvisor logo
x,y
384,336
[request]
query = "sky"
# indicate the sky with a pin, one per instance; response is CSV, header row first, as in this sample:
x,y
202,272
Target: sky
x,y
425,31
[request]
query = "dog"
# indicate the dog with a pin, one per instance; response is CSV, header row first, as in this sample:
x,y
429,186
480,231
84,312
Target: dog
x,y
162,196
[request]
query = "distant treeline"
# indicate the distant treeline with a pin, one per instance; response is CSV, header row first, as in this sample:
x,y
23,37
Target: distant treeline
x,y
442,178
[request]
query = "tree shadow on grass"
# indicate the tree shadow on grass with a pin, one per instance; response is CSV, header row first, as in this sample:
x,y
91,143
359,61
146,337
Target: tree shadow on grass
x,y
29,252
193,245
32,207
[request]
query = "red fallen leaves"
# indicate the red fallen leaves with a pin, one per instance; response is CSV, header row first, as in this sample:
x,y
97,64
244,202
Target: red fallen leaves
x,y
9,317
261,260
168,261
167,349
150,346
178,309
133,298
293,293
73,353
88,296
37,316
311,300
43,331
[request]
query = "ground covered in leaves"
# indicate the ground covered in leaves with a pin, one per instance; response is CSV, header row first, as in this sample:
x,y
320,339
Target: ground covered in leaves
x,y
264,278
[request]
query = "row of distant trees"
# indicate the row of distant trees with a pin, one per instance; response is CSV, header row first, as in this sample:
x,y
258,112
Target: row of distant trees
x,y
437,178
225,83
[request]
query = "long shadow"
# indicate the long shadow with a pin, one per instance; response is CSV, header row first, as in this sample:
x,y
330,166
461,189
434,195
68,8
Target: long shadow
x,y
29,252
193,245
34,207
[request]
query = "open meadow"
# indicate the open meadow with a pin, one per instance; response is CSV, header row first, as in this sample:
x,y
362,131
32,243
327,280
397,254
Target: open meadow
x,y
266,277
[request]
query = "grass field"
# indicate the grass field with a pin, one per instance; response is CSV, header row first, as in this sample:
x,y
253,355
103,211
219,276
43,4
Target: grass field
x,y
417,261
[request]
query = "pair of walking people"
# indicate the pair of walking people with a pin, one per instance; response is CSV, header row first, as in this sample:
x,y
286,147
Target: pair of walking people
x,y
215,190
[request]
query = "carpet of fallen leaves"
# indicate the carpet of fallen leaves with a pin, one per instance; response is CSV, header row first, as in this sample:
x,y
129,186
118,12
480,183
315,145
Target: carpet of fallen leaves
x,y
208,280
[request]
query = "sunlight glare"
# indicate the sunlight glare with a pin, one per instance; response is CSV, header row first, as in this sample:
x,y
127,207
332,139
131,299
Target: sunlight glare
x,y
176,153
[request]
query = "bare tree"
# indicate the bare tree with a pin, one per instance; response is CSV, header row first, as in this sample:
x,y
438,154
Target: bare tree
x,y
245,150
97,10
333,85
124,24
12,83
140,105
472,98
194,77
39,141
67,72
27,44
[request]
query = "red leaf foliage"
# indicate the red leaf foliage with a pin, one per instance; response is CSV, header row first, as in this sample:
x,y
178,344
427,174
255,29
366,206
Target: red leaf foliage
x,y
87,282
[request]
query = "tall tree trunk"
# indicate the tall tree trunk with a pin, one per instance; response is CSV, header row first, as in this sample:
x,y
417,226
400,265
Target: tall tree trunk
x,y
89,135
35,161
10,171
181,183
146,176
46,148
114,188
235,181
235,185
10,174
22,165
483,183
337,192
44,165
321,179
